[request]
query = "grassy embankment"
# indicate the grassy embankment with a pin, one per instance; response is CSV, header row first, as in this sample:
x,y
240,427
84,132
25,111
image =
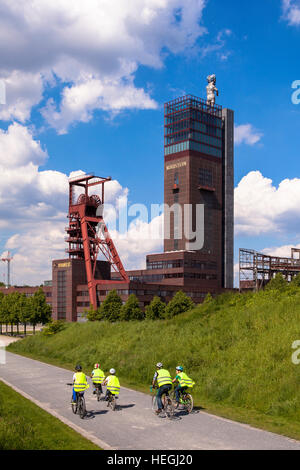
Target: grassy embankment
x,y
25,426
237,348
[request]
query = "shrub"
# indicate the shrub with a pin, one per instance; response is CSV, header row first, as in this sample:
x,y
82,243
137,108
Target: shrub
x,y
91,314
179,304
131,310
110,308
208,299
156,309
277,283
53,327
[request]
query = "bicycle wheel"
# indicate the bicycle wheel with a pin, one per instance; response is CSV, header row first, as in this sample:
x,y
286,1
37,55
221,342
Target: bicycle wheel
x,y
82,408
98,394
154,404
173,396
189,402
169,407
113,403
74,407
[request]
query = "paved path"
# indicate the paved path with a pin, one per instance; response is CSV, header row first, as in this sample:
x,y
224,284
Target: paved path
x,y
133,426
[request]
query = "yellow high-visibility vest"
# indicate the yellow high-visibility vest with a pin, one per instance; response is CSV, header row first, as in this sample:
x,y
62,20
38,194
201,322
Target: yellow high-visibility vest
x,y
113,384
80,383
163,377
185,381
98,376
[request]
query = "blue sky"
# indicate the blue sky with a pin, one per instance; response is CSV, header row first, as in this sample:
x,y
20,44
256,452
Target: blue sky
x,y
78,99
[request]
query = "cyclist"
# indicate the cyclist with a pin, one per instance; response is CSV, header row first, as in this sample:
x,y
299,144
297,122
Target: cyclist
x,y
97,377
162,379
79,382
184,382
113,385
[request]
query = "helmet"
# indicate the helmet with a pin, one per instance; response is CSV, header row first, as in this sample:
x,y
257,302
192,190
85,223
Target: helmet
x,y
179,368
112,371
96,366
78,367
159,365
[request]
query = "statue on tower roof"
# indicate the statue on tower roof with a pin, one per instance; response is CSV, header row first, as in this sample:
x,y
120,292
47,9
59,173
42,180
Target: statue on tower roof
x,y
211,89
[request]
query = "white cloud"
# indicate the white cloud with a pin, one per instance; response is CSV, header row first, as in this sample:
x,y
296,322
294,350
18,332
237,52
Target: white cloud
x,y
280,251
140,239
23,91
93,49
33,210
291,12
80,101
261,207
246,134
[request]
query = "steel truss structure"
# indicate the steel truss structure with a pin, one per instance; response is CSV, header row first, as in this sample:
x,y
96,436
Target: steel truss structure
x,y
257,269
88,234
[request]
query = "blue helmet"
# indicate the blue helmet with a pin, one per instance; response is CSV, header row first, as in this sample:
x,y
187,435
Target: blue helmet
x,y
180,368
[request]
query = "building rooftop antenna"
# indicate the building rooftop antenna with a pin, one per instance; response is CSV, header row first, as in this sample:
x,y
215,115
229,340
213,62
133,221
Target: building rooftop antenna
x,y
7,259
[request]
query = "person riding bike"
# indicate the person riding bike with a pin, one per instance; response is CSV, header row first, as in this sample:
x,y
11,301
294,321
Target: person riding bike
x,y
97,377
113,385
162,379
80,383
184,382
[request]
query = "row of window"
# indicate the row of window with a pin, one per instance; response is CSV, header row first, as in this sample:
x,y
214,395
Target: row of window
x,y
206,139
187,125
198,136
191,145
155,265
205,177
165,264
201,116
206,128
206,149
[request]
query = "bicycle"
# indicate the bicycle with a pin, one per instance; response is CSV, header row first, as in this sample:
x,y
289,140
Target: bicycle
x,y
185,399
79,406
98,391
167,403
112,401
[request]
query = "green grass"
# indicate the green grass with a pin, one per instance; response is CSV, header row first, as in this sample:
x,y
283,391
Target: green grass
x,y
237,348
25,426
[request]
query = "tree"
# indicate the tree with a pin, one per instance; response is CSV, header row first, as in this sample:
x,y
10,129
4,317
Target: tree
x,y
296,281
156,309
40,310
110,308
208,299
9,302
179,304
92,314
131,310
277,283
2,311
15,299
25,310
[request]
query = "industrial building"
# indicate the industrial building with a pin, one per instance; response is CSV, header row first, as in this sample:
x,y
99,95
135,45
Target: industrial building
x,y
198,243
257,269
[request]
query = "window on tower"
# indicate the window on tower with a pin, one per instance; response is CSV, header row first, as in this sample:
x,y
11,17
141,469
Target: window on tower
x,y
205,177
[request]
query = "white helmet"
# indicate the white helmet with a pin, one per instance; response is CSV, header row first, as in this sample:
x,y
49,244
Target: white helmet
x,y
112,371
159,365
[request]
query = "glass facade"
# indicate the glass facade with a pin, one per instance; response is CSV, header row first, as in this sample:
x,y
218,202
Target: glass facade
x,y
192,125
61,295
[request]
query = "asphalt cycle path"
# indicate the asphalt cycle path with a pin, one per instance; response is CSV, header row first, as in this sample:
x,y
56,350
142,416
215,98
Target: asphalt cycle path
x,y
133,425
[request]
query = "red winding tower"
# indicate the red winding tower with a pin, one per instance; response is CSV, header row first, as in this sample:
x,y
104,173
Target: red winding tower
x,y
88,234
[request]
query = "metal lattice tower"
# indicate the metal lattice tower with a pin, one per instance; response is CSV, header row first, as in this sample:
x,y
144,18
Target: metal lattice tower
x,y
88,234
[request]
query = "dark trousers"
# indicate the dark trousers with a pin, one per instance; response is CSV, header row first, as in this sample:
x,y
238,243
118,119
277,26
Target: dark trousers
x,y
178,391
98,386
163,389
